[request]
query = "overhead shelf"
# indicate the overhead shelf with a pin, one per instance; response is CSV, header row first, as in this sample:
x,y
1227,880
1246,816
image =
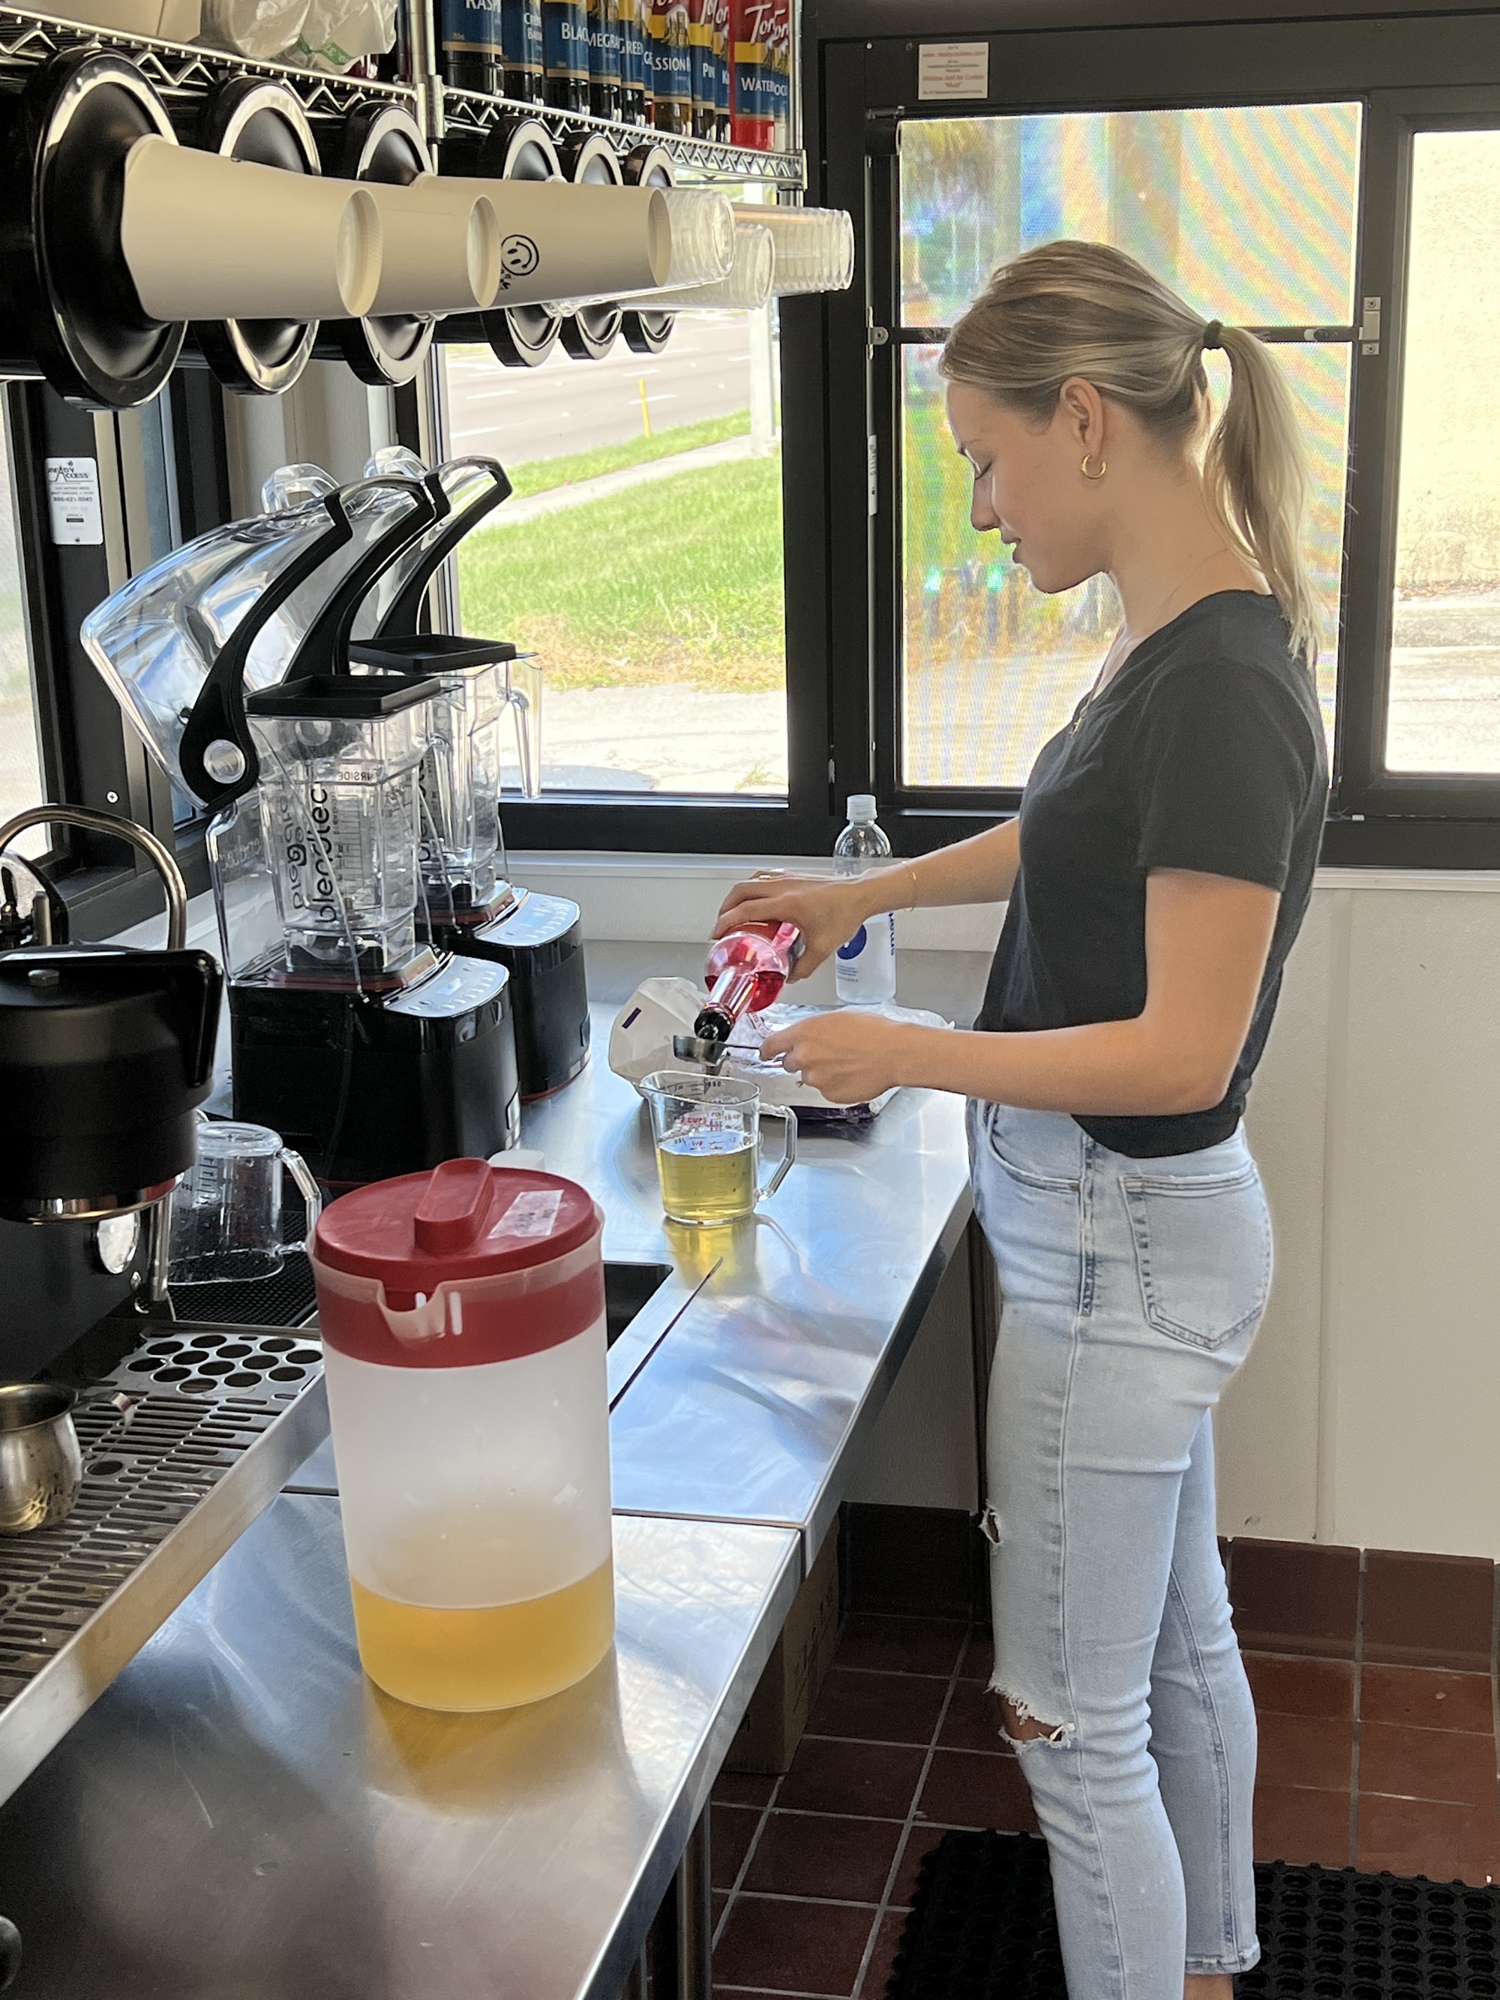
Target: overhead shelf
x,y
183,73
469,112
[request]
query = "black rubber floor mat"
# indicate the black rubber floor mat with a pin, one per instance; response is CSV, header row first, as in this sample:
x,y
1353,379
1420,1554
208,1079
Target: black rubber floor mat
x,y
982,1928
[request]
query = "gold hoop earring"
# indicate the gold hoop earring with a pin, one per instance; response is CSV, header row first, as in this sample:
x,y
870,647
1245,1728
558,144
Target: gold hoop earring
x,y
1093,477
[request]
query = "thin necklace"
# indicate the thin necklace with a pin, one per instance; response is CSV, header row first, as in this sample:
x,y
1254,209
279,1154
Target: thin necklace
x,y
1100,683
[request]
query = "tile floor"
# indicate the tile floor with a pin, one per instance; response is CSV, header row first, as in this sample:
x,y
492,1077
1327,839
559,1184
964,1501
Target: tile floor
x,y
1385,1766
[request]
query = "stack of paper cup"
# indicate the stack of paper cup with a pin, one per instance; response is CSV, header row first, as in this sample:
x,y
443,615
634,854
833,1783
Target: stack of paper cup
x,y
206,237
440,246
814,247
746,289
562,241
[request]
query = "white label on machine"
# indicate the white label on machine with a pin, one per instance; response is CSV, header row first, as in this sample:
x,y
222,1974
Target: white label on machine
x,y
532,1213
73,497
953,69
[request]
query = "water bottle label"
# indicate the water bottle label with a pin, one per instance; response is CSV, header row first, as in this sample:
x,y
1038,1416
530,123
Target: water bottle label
x,y
855,945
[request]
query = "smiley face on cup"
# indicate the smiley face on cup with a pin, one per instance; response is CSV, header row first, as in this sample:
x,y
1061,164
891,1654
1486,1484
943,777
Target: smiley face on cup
x,y
519,257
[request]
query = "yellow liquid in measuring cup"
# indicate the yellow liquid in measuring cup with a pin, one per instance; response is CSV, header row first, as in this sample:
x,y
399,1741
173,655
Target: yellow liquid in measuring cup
x,y
707,1175
492,1656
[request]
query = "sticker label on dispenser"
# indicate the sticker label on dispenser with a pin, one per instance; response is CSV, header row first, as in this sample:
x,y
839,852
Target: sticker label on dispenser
x,y
532,1213
953,69
73,500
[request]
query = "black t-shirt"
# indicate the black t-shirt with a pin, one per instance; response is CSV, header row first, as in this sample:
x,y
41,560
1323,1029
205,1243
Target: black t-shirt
x,y
1206,751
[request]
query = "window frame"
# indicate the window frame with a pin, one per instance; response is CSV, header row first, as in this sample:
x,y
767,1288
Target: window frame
x,y
1419,69
1364,785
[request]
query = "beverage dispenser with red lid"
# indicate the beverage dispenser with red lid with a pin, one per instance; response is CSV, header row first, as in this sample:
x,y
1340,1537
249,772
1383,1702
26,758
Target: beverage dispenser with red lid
x,y
462,1314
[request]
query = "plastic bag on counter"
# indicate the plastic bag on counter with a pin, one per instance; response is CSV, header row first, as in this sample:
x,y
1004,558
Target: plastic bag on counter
x,y
258,28
640,1041
340,33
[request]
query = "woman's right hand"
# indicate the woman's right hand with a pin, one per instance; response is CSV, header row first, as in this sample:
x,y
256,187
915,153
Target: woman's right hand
x,y
827,910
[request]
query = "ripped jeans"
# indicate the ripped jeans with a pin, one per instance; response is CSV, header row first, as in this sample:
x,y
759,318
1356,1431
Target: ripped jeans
x,y
1131,1290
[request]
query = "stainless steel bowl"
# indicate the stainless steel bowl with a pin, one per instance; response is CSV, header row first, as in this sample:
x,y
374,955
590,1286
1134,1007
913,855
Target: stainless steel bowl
x,y
41,1468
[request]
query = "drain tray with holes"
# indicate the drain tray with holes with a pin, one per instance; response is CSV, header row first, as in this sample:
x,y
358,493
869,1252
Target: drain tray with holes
x,y
184,1443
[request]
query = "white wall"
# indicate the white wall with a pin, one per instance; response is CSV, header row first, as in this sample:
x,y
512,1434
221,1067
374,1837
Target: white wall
x,y
1369,1411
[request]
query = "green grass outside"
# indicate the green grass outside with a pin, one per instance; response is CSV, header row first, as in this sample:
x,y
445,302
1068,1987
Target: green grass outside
x,y
672,582
542,474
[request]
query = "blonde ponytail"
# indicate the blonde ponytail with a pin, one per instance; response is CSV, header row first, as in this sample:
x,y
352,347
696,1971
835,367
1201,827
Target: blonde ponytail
x,y
1089,310
1256,477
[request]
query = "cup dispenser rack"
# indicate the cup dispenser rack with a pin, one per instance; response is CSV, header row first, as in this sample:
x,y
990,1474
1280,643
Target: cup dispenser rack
x,y
162,205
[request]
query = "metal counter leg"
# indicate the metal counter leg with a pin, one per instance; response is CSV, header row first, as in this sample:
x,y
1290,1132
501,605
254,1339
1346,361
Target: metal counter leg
x,y
684,1928
695,1917
638,1986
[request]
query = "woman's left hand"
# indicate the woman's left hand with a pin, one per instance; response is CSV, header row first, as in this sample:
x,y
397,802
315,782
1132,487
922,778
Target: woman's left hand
x,y
850,1057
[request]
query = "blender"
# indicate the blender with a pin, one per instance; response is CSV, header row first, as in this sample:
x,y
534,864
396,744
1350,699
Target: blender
x,y
369,1050
471,906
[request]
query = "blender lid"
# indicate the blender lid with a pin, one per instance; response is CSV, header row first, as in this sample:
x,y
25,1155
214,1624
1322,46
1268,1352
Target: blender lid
x,y
251,589
432,653
463,1219
347,697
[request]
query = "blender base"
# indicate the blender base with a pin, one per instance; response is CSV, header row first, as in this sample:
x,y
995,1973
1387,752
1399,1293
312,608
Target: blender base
x,y
539,940
369,1086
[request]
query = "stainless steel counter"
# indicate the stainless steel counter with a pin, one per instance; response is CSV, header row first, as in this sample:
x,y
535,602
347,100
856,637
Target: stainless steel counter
x,y
755,1402
243,1815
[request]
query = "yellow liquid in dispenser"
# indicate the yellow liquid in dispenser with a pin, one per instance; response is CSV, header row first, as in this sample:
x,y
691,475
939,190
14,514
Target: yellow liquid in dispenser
x,y
707,1175
490,1656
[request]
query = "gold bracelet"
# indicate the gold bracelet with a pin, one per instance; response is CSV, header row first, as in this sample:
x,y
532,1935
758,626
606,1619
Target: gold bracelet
x,y
915,890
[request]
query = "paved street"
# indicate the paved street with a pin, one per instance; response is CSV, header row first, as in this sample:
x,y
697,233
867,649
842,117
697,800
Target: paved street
x,y
519,414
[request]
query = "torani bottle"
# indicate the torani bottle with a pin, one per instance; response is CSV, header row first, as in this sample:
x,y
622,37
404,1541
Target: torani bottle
x,y
521,50
671,67
749,22
701,71
565,54
632,62
469,40
604,58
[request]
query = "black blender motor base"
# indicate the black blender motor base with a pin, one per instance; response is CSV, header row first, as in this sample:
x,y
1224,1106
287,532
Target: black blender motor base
x,y
540,943
365,1092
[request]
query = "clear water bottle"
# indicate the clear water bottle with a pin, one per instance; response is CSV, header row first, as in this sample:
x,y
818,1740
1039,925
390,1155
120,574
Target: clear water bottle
x,y
865,968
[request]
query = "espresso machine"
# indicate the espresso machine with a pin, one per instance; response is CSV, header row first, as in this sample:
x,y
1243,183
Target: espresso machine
x,y
369,1050
471,906
105,1055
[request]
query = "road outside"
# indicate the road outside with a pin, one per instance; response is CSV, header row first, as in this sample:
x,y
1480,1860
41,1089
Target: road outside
x,y
523,414
645,570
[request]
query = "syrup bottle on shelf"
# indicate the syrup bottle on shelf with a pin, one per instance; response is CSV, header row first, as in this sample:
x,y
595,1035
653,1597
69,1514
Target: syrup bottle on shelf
x,y
671,67
565,47
521,50
604,58
633,61
469,38
746,971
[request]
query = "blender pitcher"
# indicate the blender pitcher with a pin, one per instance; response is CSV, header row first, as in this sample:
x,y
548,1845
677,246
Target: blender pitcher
x,y
462,1314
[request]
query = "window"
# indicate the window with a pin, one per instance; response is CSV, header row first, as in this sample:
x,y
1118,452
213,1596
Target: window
x,y
1250,213
21,779
640,556
1444,704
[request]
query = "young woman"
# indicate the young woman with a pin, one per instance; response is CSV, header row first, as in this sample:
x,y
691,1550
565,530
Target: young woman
x,y
1156,878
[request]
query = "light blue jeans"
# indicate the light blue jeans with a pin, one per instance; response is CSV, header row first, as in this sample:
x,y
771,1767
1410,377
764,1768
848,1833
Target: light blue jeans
x,y
1130,1292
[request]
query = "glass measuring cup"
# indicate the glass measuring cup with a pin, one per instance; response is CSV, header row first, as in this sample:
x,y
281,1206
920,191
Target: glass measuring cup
x,y
707,1135
226,1210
